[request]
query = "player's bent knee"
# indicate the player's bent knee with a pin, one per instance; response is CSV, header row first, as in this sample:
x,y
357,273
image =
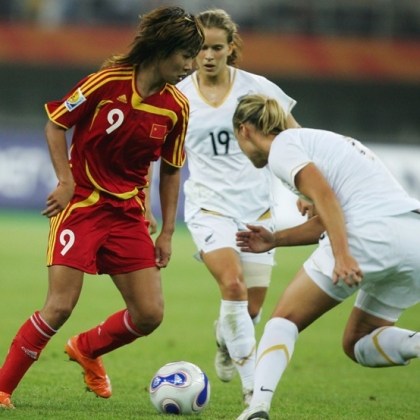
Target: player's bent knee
x,y
349,352
148,323
348,348
55,316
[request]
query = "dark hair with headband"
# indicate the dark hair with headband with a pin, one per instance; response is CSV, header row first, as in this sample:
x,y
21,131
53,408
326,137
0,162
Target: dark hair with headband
x,y
160,33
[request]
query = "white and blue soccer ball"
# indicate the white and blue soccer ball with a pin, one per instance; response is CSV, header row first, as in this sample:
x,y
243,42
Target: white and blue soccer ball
x,y
180,388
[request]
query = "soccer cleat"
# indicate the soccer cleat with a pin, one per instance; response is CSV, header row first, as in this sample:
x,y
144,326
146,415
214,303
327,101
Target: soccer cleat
x,y
5,400
96,378
225,368
257,412
247,393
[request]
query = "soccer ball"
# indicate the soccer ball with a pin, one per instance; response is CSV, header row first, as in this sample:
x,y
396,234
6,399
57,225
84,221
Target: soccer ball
x,y
180,388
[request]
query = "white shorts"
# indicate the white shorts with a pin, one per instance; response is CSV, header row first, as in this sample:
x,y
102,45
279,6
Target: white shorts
x,y
388,251
210,232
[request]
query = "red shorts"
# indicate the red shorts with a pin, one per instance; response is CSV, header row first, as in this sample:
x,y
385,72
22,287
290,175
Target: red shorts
x,y
97,233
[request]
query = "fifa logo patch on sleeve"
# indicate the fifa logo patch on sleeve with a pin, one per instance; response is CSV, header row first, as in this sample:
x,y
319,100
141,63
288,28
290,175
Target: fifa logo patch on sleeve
x,y
75,100
158,131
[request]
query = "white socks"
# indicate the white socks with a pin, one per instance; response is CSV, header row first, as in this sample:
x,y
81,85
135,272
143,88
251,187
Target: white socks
x,y
257,319
273,355
387,346
237,330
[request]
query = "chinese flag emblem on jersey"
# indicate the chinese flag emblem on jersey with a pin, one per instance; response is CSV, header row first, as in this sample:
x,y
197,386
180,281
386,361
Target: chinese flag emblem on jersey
x,y
158,131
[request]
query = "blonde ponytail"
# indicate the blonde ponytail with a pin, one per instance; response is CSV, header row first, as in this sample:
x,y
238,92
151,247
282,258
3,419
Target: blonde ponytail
x,y
263,112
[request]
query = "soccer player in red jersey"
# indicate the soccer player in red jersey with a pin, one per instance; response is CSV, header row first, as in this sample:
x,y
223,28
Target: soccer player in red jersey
x,y
125,116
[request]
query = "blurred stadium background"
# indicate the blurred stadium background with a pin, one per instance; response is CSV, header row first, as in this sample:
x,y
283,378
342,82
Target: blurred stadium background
x,y
352,65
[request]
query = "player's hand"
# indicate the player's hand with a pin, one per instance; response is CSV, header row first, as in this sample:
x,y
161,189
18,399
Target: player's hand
x,y
163,250
257,239
305,208
347,269
58,199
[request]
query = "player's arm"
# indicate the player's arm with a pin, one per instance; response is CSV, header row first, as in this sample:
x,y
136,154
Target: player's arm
x,y
311,183
258,239
307,233
304,207
172,160
170,180
58,199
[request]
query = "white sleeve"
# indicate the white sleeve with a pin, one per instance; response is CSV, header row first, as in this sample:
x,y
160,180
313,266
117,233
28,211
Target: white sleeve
x,y
287,157
273,91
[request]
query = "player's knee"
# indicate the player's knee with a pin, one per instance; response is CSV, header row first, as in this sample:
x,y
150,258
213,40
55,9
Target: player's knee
x,y
234,289
348,347
149,322
55,315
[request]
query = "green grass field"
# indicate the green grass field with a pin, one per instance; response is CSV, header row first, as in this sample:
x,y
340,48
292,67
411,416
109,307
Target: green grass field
x,y
320,383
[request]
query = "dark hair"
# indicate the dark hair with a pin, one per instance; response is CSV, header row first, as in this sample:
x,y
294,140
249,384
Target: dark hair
x,y
160,33
218,18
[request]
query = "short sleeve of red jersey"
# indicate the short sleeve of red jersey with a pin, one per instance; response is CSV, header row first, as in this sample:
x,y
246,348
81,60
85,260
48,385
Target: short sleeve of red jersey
x,y
74,105
173,148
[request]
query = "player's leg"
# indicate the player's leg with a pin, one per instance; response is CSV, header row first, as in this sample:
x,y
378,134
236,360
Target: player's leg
x,y
257,269
370,337
374,340
302,302
131,250
214,236
142,293
256,298
235,328
257,276
128,247
64,288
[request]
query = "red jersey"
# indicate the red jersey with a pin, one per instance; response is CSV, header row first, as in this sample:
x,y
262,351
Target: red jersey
x,y
117,133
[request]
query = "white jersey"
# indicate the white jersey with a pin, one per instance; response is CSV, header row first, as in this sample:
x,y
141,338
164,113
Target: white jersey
x,y
222,179
364,186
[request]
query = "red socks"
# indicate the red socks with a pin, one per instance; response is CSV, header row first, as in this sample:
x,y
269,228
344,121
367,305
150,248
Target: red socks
x,y
25,349
117,331
35,333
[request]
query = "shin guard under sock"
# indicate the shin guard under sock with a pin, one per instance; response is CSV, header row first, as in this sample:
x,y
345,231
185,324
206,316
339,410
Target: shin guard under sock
x,y
117,331
25,349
